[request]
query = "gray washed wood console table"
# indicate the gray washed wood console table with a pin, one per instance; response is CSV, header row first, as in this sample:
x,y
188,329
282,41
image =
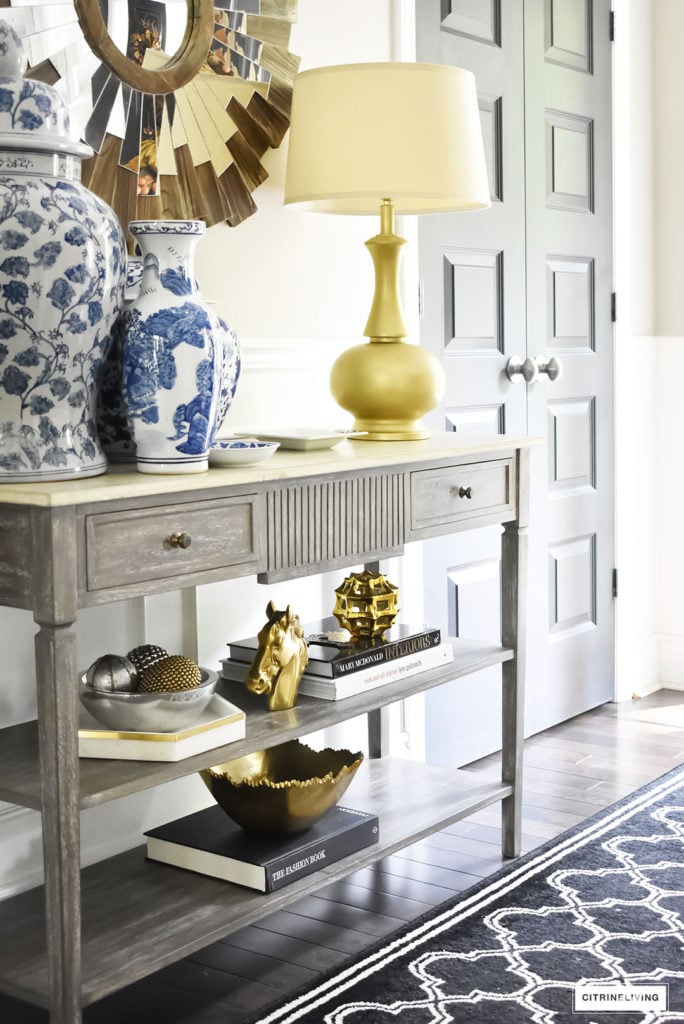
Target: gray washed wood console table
x,y
71,545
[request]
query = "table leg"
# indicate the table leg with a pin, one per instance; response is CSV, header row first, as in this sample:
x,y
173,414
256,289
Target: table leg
x,y
55,603
58,744
514,604
378,732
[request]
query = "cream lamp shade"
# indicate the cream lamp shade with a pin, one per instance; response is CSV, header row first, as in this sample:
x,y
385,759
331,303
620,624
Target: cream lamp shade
x,y
361,133
385,138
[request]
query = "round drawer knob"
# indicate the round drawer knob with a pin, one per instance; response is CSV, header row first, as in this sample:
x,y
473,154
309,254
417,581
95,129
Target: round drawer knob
x,y
465,492
180,540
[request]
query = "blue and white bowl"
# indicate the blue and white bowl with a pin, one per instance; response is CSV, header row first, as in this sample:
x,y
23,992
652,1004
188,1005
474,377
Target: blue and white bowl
x,y
242,452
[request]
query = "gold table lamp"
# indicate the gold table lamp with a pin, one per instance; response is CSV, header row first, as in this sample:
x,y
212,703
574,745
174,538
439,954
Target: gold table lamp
x,y
388,137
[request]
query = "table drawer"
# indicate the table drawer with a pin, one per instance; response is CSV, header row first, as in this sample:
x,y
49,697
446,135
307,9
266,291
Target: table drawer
x,y
440,497
124,548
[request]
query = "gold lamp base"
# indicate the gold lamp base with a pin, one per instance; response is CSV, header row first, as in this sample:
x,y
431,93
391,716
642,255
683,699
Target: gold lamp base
x,y
386,383
388,386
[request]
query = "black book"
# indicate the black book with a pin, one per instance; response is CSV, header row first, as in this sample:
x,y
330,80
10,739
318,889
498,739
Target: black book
x,y
333,658
210,843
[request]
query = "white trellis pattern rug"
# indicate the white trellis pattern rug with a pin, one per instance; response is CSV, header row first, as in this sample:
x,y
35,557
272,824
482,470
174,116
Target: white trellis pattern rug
x,y
602,904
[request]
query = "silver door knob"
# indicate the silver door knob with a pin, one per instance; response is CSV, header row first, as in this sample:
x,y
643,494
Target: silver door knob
x,y
518,369
552,367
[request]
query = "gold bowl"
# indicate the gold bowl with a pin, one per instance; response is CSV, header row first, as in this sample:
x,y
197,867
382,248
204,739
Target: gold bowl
x,y
282,790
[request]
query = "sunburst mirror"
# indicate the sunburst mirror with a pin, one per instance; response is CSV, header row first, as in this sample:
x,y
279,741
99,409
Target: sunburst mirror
x,y
179,99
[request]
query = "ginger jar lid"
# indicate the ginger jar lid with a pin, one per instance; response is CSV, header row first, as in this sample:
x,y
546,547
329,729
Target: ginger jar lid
x,y
33,115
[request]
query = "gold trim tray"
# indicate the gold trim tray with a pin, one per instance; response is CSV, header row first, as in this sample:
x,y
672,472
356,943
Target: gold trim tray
x,y
221,722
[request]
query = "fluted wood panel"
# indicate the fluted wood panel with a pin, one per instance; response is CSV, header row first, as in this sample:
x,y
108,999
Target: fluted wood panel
x,y
334,521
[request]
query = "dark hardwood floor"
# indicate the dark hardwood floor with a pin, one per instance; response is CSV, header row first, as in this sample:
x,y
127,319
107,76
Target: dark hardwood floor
x,y
571,771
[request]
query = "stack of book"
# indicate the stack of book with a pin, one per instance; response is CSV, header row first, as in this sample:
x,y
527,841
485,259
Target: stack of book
x,y
338,668
210,843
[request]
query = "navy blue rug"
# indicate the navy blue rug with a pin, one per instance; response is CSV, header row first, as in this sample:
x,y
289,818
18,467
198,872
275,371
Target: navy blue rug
x,y
588,929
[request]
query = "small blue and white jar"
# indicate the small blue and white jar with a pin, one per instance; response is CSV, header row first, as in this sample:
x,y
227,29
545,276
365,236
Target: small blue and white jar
x,y
62,266
179,364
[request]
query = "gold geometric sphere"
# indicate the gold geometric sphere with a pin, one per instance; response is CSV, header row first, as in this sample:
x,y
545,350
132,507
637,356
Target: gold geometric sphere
x,y
366,605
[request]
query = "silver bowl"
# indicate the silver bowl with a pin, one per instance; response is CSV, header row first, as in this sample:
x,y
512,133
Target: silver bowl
x,y
129,711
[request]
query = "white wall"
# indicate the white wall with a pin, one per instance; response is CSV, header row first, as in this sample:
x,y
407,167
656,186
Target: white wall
x,y
297,288
636,354
670,468
668,317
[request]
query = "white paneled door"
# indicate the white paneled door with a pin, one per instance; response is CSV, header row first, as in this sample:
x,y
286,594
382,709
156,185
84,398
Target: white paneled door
x,y
517,303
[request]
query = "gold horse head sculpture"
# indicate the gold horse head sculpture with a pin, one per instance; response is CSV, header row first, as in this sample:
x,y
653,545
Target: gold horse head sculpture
x,y
280,659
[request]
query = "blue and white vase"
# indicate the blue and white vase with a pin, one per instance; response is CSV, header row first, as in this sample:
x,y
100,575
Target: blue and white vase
x,y
180,362
62,265
112,419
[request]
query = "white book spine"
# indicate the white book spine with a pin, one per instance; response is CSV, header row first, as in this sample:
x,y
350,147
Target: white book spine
x,y
378,675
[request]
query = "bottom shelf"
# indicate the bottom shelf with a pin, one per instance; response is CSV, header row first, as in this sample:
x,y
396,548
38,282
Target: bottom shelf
x,y
140,916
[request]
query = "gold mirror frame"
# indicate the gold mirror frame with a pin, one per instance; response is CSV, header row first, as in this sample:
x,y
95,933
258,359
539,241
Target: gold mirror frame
x,y
212,129
178,71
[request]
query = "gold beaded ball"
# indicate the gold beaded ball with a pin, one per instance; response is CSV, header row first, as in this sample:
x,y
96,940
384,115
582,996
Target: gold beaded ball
x,y
173,673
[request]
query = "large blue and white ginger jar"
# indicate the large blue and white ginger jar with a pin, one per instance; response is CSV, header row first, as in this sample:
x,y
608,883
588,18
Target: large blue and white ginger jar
x,y
62,266
180,360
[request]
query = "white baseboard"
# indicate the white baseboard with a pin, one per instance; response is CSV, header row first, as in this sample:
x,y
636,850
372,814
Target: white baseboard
x,y
638,667
29,880
33,875
21,854
671,661
10,815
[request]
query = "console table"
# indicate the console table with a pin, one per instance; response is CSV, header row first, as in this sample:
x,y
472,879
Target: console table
x,y
72,544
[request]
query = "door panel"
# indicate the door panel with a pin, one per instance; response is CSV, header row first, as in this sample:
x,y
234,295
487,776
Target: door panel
x,y
473,19
530,276
568,33
473,264
569,261
469,604
473,271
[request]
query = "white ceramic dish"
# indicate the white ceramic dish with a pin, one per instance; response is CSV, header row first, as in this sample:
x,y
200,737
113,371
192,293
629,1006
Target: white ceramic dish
x,y
241,452
306,440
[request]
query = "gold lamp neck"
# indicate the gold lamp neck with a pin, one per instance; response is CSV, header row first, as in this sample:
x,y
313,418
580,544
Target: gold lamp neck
x,y
386,318
386,217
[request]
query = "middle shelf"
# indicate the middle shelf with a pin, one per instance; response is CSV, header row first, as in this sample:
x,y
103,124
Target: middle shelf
x,y
104,780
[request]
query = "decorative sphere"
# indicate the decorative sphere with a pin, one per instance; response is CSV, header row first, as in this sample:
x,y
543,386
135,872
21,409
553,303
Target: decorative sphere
x,y
173,673
112,672
366,605
146,655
